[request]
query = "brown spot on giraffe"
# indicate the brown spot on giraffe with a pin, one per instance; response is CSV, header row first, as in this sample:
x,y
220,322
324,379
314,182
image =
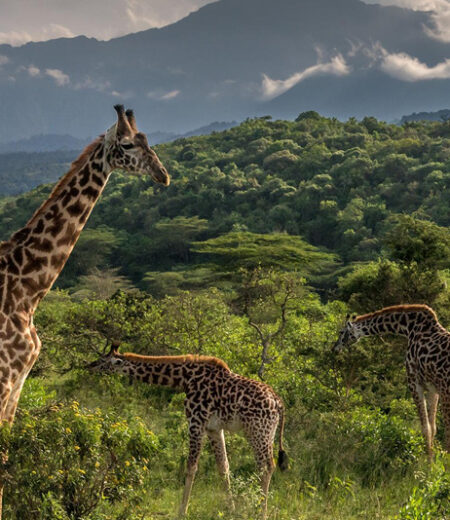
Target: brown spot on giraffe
x,y
31,260
216,400
427,358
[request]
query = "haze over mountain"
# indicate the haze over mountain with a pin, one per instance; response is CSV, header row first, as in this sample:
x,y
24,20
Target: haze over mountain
x,y
229,60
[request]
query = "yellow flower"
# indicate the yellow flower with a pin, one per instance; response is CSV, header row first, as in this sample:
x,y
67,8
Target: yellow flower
x,y
81,471
76,448
127,463
68,430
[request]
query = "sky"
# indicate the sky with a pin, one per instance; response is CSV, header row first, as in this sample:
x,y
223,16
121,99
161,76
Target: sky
x,y
36,20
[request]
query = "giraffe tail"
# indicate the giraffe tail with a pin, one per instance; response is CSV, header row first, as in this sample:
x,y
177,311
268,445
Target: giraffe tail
x,y
283,462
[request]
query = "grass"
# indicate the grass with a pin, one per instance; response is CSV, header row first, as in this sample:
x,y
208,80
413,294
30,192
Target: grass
x,y
322,482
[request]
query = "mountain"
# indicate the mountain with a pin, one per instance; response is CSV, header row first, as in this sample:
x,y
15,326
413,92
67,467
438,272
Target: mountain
x,y
27,163
229,60
56,143
440,115
44,143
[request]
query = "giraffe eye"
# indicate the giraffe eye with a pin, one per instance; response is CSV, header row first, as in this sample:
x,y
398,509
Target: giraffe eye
x,y
127,146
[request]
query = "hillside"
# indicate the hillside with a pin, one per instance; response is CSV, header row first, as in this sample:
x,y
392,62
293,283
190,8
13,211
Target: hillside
x,y
336,184
20,172
229,60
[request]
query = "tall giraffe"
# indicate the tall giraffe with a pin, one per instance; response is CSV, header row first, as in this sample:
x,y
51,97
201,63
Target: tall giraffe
x,y
216,399
427,358
31,260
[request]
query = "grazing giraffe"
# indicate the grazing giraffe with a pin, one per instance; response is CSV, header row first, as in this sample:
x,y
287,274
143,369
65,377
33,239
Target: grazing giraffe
x,y
216,399
427,358
31,260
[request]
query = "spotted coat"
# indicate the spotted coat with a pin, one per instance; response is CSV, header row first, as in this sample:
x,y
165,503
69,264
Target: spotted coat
x,y
216,400
427,358
31,260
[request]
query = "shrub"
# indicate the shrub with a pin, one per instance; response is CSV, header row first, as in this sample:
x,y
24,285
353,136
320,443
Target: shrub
x,y
430,500
65,460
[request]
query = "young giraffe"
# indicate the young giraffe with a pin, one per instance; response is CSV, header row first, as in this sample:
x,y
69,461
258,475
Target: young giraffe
x,y
216,399
32,259
427,358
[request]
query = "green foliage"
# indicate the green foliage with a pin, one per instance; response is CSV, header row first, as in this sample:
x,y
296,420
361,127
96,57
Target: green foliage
x,y
372,446
246,250
430,498
65,460
336,184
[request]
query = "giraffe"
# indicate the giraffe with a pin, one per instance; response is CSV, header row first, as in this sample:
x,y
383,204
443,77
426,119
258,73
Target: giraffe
x,y
31,260
427,358
216,400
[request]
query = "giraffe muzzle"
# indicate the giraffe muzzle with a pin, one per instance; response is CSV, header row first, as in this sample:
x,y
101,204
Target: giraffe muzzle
x,y
161,177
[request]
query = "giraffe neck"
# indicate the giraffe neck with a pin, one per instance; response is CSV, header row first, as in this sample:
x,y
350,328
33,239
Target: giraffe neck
x,y
36,253
172,371
404,321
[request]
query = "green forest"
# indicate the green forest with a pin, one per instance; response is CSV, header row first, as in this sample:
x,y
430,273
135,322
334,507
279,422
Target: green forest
x,y
269,234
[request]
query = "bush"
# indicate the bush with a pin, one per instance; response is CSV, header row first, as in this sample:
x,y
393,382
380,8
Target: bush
x,y
373,447
430,500
65,460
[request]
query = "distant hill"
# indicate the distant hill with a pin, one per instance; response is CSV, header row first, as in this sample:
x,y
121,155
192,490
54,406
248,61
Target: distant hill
x,y
21,172
338,184
44,143
26,163
440,115
54,143
229,60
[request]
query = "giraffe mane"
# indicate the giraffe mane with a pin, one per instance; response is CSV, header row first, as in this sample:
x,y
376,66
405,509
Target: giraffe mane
x,y
187,358
74,167
398,308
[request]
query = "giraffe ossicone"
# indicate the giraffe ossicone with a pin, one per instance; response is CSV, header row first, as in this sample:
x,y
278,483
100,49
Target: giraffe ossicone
x,y
216,400
427,358
31,260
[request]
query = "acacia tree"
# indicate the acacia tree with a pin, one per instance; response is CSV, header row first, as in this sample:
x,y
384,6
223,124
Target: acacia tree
x,y
268,299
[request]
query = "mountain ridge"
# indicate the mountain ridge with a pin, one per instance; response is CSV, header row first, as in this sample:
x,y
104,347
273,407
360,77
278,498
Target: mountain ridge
x,y
212,65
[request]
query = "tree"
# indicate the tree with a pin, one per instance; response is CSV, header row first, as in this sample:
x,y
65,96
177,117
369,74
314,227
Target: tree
x,y
244,250
267,299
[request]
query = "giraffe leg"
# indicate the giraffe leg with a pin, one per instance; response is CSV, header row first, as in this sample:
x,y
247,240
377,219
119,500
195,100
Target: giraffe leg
x,y
217,441
445,409
196,433
5,392
432,403
262,444
421,403
9,406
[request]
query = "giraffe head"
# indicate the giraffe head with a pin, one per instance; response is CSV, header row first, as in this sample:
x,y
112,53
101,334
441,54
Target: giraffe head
x,y
109,363
126,148
348,335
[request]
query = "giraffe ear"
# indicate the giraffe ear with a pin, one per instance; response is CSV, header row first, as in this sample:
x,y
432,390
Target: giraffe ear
x,y
131,120
114,348
123,127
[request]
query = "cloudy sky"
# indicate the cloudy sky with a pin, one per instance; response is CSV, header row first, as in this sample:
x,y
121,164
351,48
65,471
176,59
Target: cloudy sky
x,y
35,20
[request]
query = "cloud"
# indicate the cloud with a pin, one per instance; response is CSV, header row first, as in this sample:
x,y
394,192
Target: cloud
x,y
33,71
170,95
441,22
94,84
272,88
49,32
408,68
3,60
439,14
60,78
163,96
22,21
